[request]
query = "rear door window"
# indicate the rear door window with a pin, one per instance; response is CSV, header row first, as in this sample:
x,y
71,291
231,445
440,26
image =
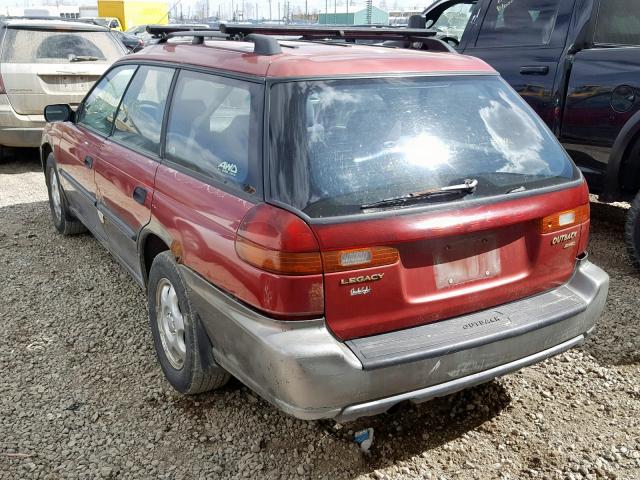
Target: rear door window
x,y
518,22
139,120
618,22
99,108
215,128
49,46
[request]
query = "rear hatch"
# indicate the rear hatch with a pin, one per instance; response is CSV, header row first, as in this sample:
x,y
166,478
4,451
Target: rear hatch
x,y
42,66
365,162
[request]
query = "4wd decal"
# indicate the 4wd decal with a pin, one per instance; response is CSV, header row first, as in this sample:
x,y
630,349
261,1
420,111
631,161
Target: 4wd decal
x,y
228,168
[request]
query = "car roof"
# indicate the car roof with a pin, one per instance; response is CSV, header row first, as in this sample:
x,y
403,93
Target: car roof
x,y
311,59
47,24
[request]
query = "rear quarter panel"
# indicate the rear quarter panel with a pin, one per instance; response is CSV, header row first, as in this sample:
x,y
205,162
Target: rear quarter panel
x,y
201,220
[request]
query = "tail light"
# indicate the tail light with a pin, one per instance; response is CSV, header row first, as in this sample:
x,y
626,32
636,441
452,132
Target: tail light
x,y
361,258
277,241
564,219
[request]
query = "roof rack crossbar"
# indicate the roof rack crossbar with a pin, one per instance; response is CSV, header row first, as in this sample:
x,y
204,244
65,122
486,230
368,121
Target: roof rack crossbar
x,y
262,44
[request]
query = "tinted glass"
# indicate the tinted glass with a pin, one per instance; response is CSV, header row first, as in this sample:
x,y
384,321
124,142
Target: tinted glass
x,y
99,108
453,20
139,120
215,128
336,145
44,46
618,22
519,22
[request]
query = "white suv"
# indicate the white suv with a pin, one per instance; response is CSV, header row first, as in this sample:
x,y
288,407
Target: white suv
x,y
43,62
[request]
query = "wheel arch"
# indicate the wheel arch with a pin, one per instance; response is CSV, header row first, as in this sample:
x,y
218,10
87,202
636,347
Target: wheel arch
x,y
620,164
152,242
45,149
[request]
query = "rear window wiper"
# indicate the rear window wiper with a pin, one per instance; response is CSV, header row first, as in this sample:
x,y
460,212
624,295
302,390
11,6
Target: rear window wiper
x,y
469,186
82,58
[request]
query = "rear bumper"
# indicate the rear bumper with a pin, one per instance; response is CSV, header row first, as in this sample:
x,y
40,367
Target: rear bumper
x,y
305,371
19,130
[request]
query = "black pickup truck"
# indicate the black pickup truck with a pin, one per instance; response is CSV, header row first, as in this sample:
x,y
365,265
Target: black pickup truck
x,y
577,63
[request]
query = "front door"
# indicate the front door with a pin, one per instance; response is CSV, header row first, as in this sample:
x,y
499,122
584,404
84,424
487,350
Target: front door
x,y
126,173
81,144
524,41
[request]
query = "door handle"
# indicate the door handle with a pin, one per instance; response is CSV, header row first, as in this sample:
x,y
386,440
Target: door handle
x,y
534,70
139,195
88,162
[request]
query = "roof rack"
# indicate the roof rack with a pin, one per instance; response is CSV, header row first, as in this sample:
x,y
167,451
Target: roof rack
x,y
390,36
161,31
331,32
263,44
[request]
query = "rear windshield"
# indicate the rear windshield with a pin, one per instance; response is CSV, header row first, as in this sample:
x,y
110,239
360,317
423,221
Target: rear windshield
x,y
337,145
48,46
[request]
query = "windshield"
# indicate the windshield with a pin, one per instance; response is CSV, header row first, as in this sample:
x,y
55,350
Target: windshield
x,y
340,144
49,46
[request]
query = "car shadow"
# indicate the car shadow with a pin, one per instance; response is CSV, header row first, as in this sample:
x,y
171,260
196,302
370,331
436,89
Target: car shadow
x,y
20,160
426,426
406,431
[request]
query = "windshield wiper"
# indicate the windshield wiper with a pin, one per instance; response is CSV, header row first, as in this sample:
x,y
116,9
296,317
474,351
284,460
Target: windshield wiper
x,y
469,186
82,58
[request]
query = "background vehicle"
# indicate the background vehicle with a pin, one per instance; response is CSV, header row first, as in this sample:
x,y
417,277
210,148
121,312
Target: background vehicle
x,y
111,23
44,62
131,42
577,63
341,227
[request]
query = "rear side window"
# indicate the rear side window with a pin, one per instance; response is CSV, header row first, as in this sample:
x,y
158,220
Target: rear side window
x,y
518,22
139,120
618,22
99,108
44,46
215,127
338,145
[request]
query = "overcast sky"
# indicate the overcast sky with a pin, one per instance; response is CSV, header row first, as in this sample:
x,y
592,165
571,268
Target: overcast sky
x,y
262,5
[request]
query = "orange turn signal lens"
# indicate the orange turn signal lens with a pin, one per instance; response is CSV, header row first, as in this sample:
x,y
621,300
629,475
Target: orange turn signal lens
x,y
566,219
341,260
286,263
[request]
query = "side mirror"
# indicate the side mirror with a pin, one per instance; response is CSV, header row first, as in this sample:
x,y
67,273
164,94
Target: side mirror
x,y
58,113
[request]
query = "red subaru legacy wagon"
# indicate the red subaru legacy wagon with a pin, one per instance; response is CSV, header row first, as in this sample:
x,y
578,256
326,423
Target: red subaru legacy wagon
x,y
340,227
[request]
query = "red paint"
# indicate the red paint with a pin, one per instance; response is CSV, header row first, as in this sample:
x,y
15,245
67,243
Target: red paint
x,y
204,220
307,60
442,253
408,295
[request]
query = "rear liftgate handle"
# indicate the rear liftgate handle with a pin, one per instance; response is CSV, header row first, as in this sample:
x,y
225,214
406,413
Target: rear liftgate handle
x,y
88,162
139,195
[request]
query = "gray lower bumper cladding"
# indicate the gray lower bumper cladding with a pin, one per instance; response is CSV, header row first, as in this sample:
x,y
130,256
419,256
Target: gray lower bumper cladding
x,y
303,369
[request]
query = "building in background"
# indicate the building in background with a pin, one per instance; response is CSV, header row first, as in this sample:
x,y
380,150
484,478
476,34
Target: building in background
x,y
355,15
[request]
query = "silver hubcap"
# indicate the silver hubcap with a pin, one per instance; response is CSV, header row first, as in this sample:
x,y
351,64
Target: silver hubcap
x,y
55,195
170,324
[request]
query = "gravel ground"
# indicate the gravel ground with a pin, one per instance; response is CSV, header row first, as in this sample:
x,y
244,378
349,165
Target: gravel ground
x,y
81,395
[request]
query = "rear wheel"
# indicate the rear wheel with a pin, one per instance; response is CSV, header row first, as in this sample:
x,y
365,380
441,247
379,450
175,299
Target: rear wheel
x,y
179,344
632,232
63,219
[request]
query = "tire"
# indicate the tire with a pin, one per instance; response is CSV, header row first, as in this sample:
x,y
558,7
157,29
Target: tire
x,y
180,344
62,218
632,232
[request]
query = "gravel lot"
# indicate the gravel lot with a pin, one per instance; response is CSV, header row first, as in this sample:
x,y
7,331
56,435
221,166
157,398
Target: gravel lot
x,y
81,395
